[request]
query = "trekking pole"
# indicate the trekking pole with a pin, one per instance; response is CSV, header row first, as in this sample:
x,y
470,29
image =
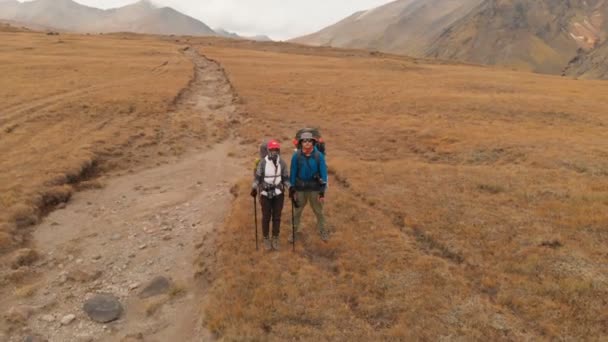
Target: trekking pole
x,y
293,226
255,218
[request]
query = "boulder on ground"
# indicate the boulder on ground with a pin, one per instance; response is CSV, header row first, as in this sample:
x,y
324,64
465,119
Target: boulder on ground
x,y
157,286
103,308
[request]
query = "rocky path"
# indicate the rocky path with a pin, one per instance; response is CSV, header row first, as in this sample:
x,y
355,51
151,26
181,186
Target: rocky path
x,y
136,240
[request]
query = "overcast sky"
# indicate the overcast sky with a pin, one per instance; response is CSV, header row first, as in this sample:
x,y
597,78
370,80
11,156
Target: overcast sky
x,y
279,19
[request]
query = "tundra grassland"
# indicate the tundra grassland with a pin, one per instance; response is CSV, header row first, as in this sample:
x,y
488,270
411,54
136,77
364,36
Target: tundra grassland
x,y
464,202
74,106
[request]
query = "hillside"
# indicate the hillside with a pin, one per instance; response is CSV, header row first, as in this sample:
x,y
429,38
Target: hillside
x,y
404,26
593,64
27,27
143,17
531,35
540,36
140,17
62,14
227,34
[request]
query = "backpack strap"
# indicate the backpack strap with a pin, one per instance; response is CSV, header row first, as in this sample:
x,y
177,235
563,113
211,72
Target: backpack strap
x,y
316,154
262,167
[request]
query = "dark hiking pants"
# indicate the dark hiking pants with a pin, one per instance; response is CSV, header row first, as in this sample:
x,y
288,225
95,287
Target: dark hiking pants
x,y
271,209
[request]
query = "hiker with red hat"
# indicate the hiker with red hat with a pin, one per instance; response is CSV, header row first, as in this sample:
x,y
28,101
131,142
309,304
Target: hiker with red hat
x,y
270,182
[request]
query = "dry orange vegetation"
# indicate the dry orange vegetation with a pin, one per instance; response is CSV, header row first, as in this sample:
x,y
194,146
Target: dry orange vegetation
x,y
73,105
465,202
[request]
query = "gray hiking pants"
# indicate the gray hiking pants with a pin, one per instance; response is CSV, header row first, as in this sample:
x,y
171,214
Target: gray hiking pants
x,y
303,197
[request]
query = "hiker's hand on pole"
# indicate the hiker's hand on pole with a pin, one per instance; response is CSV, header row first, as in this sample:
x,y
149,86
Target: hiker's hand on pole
x,y
254,192
292,193
322,197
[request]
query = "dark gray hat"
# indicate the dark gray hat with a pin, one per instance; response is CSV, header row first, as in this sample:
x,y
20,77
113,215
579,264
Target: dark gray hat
x,y
306,135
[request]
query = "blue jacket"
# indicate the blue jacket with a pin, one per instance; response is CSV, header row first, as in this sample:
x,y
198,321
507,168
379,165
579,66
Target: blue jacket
x,y
304,168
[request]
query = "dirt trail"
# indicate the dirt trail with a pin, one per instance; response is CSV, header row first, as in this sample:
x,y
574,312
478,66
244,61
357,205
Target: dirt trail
x,y
139,226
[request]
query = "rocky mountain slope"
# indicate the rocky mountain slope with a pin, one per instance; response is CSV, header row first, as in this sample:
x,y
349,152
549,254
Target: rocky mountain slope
x,y
404,26
593,64
536,35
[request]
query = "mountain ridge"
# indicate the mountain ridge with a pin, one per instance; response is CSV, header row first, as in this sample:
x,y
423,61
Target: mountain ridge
x,y
534,35
140,17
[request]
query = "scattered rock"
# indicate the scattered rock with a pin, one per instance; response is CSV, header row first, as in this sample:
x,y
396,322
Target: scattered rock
x,y
48,318
97,257
84,338
134,286
133,337
81,276
157,286
103,308
24,257
63,277
67,319
18,314
115,237
143,246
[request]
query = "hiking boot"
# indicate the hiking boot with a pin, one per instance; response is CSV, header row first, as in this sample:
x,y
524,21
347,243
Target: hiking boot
x,y
275,243
325,236
267,244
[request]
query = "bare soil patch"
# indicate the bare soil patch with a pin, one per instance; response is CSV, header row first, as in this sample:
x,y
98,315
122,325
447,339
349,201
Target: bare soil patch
x,y
151,206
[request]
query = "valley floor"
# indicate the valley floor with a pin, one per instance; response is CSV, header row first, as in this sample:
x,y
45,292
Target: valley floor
x,y
465,202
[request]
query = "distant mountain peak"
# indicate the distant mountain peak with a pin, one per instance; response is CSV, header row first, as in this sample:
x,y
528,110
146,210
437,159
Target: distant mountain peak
x,y
143,16
146,3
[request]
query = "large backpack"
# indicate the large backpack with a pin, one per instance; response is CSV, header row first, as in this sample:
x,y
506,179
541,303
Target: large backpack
x,y
263,153
320,144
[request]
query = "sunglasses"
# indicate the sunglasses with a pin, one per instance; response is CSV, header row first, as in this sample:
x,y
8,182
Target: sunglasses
x,y
307,140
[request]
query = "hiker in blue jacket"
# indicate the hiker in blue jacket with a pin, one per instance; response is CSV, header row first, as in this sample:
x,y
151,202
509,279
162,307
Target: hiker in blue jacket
x,y
308,182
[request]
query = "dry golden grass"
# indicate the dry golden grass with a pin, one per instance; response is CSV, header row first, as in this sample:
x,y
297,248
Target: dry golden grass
x,y
72,106
465,202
